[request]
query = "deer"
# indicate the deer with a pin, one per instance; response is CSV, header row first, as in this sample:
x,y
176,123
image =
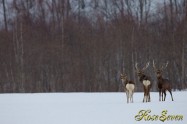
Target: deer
x,y
163,84
129,87
145,80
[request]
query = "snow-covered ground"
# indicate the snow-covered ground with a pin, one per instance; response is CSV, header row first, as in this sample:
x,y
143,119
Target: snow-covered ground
x,y
87,108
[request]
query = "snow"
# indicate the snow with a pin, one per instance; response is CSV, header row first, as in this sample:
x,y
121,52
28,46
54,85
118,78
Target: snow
x,y
86,108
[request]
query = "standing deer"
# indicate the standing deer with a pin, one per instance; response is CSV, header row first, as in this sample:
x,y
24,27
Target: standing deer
x,y
163,84
129,87
145,80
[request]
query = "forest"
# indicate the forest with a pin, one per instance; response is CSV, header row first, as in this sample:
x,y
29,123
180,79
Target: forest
x,y
84,45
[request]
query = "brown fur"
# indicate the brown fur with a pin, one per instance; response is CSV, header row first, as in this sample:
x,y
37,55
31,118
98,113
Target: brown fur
x,y
128,84
142,78
163,84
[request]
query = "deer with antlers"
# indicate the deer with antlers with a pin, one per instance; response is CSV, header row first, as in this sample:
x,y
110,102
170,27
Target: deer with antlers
x,y
129,87
163,84
145,80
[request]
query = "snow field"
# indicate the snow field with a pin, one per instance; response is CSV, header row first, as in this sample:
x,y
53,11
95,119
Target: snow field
x,y
86,108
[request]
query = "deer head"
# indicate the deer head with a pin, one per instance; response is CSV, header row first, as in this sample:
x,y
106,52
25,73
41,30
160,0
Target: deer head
x,y
139,71
159,71
123,77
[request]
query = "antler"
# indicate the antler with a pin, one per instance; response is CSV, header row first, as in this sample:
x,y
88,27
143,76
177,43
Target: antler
x,y
136,67
166,64
147,65
154,66
164,67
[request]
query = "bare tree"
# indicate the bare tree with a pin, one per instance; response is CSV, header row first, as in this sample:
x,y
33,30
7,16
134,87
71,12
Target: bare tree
x,y
4,14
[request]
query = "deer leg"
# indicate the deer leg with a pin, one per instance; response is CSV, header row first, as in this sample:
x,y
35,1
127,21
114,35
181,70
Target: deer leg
x,y
171,94
159,94
127,93
164,95
144,98
132,96
146,94
149,98
129,96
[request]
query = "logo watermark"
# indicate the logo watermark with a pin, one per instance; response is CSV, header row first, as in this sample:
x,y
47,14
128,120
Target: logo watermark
x,y
164,116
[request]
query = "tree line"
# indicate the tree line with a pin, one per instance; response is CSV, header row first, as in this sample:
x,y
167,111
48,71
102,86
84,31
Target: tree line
x,y
80,45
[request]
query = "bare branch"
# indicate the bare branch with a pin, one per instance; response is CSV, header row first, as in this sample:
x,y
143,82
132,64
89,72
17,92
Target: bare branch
x,y
154,66
136,67
164,67
147,65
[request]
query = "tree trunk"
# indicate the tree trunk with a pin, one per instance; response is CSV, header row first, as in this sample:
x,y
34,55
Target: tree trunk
x,y
4,14
183,65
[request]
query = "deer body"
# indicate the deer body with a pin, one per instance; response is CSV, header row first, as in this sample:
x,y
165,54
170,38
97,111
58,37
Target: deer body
x,y
146,86
129,92
129,87
163,84
146,81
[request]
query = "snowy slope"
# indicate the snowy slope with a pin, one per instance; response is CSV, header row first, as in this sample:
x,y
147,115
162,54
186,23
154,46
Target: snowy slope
x,y
86,108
